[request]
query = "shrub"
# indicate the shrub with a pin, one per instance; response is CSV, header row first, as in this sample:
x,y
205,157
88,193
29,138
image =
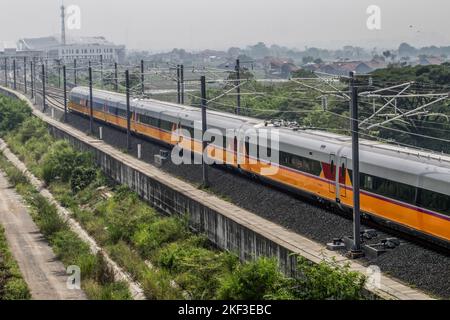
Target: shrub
x,y
148,237
158,285
48,219
251,281
81,178
12,114
62,160
197,270
68,247
16,289
111,291
328,280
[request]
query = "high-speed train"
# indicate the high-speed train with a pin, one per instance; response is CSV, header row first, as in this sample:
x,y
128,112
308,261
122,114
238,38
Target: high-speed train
x,y
405,188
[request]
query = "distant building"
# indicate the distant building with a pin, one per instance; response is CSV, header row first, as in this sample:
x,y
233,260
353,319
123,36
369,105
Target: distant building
x,y
92,48
340,68
47,46
426,61
10,51
83,49
66,49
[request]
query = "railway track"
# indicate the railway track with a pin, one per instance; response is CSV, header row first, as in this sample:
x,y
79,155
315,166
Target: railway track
x,y
414,261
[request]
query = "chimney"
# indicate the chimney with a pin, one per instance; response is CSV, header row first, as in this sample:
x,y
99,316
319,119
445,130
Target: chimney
x,y
63,25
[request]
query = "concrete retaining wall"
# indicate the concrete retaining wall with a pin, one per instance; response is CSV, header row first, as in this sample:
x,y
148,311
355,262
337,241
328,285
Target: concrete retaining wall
x,y
221,230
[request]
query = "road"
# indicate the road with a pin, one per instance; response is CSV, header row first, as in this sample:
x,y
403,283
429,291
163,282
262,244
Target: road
x,y
45,275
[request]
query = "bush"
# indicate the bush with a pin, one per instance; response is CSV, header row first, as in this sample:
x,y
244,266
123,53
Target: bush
x,y
16,289
47,218
12,286
68,247
62,160
81,178
158,285
111,291
124,213
251,281
196,269
328,280
12,114
148,237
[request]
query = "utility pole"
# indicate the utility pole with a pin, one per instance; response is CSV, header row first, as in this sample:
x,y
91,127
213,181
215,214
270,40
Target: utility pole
x,y
101,70
127,85
238,86
116,78
91,102
75,72
204,128
25,74
356,251
6,72
14,75
142,78
44,106
178,84
46,68
59,74
65,92
182,83
32,78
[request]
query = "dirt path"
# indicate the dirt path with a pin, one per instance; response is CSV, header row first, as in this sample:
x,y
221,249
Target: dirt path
x,y
45,275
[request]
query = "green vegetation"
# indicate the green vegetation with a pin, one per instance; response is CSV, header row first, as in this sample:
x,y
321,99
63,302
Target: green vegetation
x,y
12,114
12,285
159,252
292,101
65,243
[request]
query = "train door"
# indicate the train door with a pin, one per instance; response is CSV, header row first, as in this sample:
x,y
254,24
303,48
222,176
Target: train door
x,y
332,185
343,176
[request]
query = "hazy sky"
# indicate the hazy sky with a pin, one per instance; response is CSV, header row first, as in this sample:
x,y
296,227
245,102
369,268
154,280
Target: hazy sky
x,y
157,25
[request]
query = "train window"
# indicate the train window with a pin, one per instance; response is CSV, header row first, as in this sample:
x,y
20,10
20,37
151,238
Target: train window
x,y
148,120
388,188
112,110
98,105
300,163
122,113
434,201
166,125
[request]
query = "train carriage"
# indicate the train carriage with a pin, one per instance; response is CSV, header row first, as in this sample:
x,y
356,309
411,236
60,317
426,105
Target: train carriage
x,y
408,188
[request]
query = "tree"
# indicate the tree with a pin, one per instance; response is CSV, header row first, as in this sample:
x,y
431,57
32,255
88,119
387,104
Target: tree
x,y
307,59
406,50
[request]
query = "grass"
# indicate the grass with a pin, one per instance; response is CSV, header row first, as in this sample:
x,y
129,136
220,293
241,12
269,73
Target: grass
x,y
12,285
68,247
157,251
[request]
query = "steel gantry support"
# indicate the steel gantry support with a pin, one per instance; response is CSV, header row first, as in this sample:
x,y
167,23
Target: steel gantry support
x,y
356,251
44,104
204,128
25,74
127,85
65,92
14,75
91,102
6,72
238,86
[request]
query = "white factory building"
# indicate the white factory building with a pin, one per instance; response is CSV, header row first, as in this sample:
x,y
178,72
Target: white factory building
x,y
81,49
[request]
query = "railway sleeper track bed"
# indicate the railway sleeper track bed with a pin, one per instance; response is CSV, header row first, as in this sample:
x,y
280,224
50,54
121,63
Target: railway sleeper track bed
x,y
413,263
